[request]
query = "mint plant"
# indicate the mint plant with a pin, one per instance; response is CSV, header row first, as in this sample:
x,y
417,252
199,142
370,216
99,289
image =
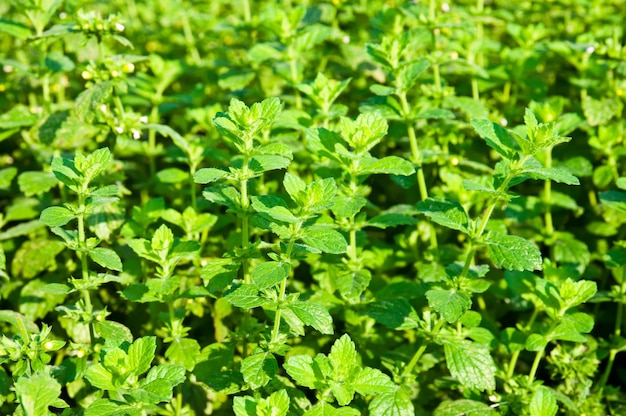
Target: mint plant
x,y
312,208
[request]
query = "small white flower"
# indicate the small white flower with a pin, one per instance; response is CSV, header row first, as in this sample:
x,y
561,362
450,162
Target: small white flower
x,y
504,122
86,75
346,39
119,27
454,55
7,68
103,108
119,129
62,15
143,119
115,73
445,7
590,50
136,134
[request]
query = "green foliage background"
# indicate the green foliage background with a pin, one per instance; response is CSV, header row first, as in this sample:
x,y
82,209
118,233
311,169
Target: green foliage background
x,y
312,207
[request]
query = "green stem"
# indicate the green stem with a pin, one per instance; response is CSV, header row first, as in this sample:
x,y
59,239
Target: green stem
x,y
420,351
190,39
515,356
247,15
283,289
547,190
533,369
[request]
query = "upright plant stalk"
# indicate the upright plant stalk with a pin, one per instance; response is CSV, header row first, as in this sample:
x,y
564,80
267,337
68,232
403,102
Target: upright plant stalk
x,y
478,58
283,289
617,333
417,158
83,257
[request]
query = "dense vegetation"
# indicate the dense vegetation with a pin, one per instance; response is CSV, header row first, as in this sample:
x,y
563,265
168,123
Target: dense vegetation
x,y
312,207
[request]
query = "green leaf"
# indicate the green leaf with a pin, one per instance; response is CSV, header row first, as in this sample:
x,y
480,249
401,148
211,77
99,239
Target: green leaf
x,y
218,273
36,183
18,116
326,240
599,112
172,374
278,402
184,352
397,403
446,212
87,103
533,169
343,357
140,354
269,274
371,381
274,207
265,163
6,177
346,207
391,219
513,253
313,314
172,175
496,137
36,256
462,407
106,407
207,175
543,403
15,29
572,326
106,257
536,342
410,72
99,377
244,296
245,406
394,313
301,369
37,393
56,216
259,369
391,165
471,364
577,293
450,304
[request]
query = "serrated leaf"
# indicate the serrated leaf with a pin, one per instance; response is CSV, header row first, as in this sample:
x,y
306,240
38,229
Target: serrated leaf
x,y
244,296
533,169
99,377
343,357
471,364
269,274
326,240
300,368
391,165
140,354
313,314
37,393
496,137
371,381
207,175
36,183
259,369
106,407
172,374
56,216
410,72
87,102
346,207
274,207
513,253
450,304
462,407
446,212
396,403
391,219
543,403
265,163
172,175
393,313
106,257
35,256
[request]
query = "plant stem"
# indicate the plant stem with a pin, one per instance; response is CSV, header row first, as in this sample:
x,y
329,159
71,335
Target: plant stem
x,y
418,354
547,190
190,39
417,158
533,370
247,15
283,288
618,332
516,354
